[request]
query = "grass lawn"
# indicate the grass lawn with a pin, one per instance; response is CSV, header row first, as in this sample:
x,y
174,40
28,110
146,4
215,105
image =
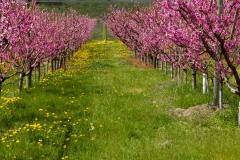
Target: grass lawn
x,y
95,8
105,107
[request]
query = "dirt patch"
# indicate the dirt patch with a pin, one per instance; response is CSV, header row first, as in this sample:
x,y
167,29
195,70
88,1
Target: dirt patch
x,y
135,90
199,112
132,60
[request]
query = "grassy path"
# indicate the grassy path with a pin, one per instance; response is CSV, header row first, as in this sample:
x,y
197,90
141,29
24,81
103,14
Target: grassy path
x,y
105,107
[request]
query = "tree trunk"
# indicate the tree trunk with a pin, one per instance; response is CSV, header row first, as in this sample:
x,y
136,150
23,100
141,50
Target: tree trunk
x,y
146,59
205,84
55,63
52,66
64,63
217,85
20,87
59,62
178,73
165,69
239,114
44,70
141,58
104,33
149,59
154,62
39,71
35,74
13,89
29,79
215,91
1,88
162,65
221,95
185,75
172,70
194,78
47,65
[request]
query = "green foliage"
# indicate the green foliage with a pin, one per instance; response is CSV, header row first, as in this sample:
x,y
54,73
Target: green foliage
x,y
94,8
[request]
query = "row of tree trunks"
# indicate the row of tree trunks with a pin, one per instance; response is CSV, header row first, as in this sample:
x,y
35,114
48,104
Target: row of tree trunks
x,y
55,65
155,63
217,84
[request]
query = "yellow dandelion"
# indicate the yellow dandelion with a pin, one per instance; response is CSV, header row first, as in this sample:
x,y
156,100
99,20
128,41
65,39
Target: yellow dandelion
x,y
93,138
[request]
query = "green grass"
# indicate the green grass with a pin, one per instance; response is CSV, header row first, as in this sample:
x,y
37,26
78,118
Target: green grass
x,y
105,107
94,8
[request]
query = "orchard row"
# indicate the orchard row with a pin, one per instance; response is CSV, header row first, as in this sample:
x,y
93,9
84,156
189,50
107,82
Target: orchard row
x,y
197,35
30,36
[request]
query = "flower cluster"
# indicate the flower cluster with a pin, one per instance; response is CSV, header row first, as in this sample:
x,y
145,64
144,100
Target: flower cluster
x,y
6,101
30,36
194,34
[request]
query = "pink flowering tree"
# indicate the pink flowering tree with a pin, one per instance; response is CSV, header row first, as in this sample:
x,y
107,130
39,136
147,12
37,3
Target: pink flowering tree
x,y
15,25
210,33
200,35
30,36
127,26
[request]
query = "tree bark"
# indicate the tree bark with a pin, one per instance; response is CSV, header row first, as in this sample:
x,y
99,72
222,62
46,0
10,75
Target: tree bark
x,y
39,71
13,90
217,84
52,65
35,73
205,84
64,63
185,75
194,79
165,69
239,114
29,79
47,65
20,87
161,65
44,70
215,91
154,62
221,95
56,63
178,73
1,88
